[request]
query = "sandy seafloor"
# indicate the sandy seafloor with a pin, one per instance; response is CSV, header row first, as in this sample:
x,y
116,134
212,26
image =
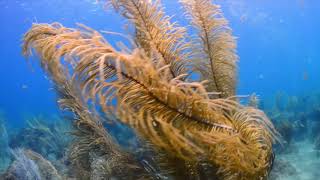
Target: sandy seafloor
x,y
302,163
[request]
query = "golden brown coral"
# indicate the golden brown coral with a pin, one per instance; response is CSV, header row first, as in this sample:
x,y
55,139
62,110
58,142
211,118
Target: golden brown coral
x,y
155,34
174,115
214,46
91,138
146,88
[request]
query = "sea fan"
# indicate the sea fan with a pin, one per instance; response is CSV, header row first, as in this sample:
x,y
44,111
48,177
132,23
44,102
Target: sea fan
x,y
176,116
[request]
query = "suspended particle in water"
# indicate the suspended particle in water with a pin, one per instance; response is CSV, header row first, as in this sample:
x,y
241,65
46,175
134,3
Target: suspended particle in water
x,y
261,76
24,86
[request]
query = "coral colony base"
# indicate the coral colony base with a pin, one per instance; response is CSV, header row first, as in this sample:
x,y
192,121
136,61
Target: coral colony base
x,y
136,113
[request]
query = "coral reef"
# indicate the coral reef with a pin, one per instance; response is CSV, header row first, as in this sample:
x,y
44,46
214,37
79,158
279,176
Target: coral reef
x,y
296,117
45,136
286,129
297,120
195,127
22,168
315,130
46,169
29,165
5,156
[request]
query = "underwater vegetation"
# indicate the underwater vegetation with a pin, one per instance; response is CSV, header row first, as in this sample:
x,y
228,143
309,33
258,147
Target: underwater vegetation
x,y
187,128
47,137
33,152
30,165
4,146
297,119
22,168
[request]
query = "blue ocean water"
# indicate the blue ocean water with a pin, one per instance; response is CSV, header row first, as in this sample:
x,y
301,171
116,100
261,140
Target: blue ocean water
x,y
278,46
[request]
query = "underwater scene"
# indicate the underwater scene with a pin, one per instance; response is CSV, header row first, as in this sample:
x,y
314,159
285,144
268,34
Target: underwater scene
x,y
163,90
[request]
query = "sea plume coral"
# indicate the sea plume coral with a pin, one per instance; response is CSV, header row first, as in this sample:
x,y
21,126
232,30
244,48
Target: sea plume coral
x,y
90,135
175,115
155,34
215,56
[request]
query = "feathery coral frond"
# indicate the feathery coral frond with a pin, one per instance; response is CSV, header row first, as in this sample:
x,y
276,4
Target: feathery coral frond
x,y
51,42
155,34
215,46
176,116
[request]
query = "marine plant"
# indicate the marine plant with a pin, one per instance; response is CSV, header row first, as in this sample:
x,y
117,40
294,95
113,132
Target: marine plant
x,y
92,143
45,136
5,157
194,124
29,165
286,129
22,168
